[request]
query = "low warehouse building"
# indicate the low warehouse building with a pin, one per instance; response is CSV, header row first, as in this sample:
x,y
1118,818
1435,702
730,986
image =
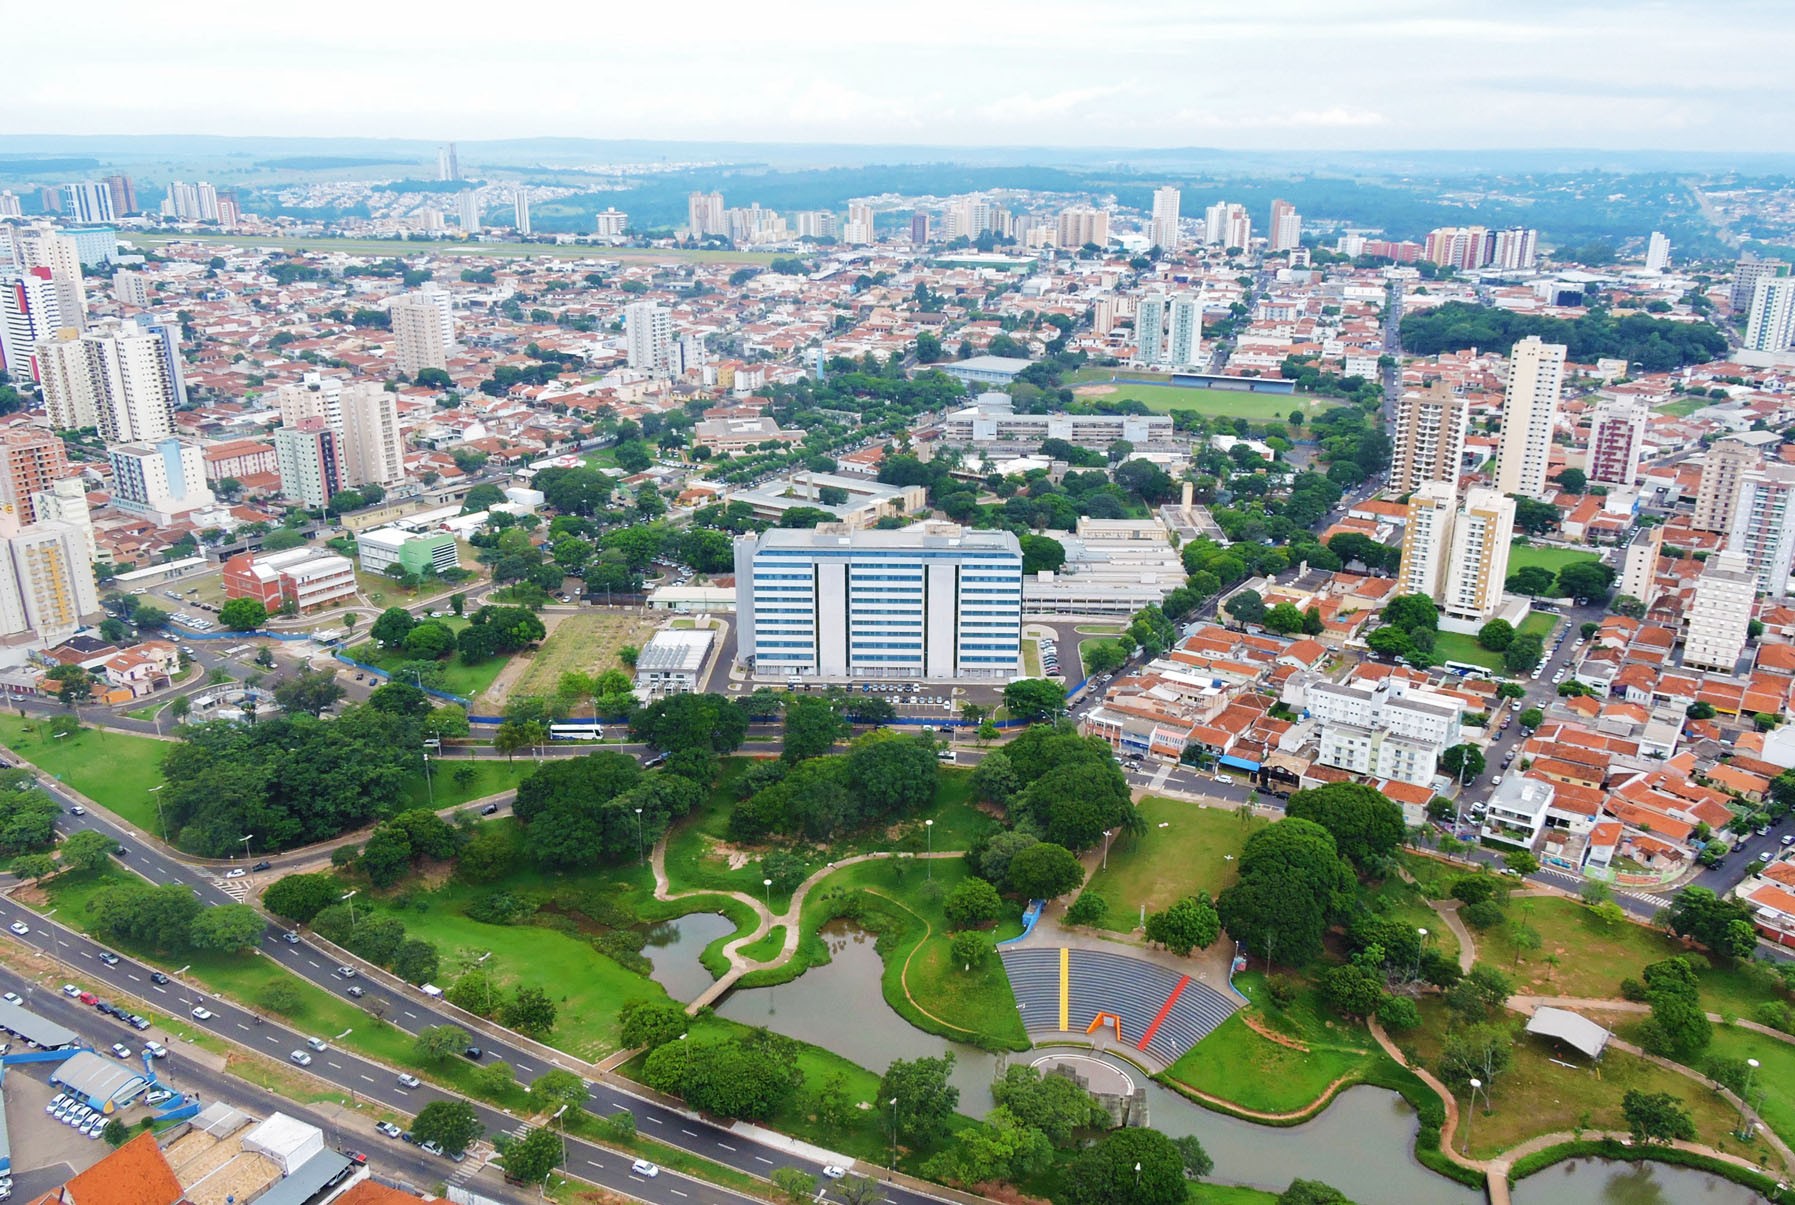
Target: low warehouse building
x,y
105,1084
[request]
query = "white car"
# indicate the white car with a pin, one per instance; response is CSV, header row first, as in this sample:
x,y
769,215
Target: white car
x,y
301,1057
20,927
12,998
645,1169
70,990
408,1081
203,1014
317,1044
834,1173
236,873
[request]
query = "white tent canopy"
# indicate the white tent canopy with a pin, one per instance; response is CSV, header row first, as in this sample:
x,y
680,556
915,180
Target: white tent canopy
x,y
1569,1027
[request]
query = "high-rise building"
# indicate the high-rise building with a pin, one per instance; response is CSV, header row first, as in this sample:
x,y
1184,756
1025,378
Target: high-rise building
x,y
704,214
1515,247
9,205
65,501
31,460
164,479
30,312
1149,328
1477,568
520,209
1724,467
1427,539
448,164
43,246
1639,571
131,288
423,329
373,451
191,202
1657,252
1616,441
1720,616
1771,326
1764,526
94,245
1227,224
1746,275
467,209
115,377
1529,410
1429,442
88,201
49,198
870,604
919,229
1388,730
648,338
1081,225
167,333
1164,228
1184,346
46,581
314,396
610,223
859,230
1285,232
819,224
124,195
1471,247
310,463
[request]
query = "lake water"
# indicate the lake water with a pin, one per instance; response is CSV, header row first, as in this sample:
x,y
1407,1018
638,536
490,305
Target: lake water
x,y
1599,1182
674,946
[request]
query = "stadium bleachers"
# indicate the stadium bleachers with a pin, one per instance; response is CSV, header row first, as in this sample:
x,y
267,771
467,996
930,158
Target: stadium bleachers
x,y
1162,1011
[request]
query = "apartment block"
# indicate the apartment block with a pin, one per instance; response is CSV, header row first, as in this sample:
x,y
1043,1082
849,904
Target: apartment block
x,y
648,339
162,480
373,450
1721,613
1477,567
116,377
1723,471
1616,443
1389,730
31,461
1427,538
47,586
942,603
310,461
1771,323
1429,443
30,312
1150,329
423,329
1763,526
1529,410
1163,229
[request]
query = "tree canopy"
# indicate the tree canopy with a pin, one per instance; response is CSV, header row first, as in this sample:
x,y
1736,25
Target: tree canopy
x,y
1366,826
1292,884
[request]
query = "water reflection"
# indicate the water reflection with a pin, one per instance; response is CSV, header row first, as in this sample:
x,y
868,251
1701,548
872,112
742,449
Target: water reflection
x,y
674,946
1602,1182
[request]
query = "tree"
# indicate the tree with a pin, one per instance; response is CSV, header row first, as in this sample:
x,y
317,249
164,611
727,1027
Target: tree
x,y
1533,717
73,683
1721,924
1531,580
1053,1104
1186,925
115,1132
436,1043
1140,1166
451,1124
812,726
1520,861
1284,619
513,736
1044,871
1462,762
1626,604
925,1100
227,927
970,948
309,691
1584,580
86,850
1041,553
243,614
691,721
1573,481
555,1088
1656,1117
1535,517
1292,884
1032,699
747,1077
1481,1052
416,962
1412,612
1353,990
1312,1192
650,1023
529,1010
1679,1027
1247,606
532,1157
796,1183
431,640
1523,653
1366,825
1496,635
972,903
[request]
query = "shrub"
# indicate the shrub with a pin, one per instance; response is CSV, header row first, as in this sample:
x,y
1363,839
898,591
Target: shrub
x,y
1282,990
1398,1013
1632,989
1088,909
1483,915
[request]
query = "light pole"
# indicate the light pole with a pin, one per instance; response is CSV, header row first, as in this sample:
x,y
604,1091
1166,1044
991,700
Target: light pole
x,y
349,898
1475,1085
1137,1177
428,784
1744,1134
767,893
160,821
1107,834
486,980
928,828
641,852
1419,950
894,1101
246,839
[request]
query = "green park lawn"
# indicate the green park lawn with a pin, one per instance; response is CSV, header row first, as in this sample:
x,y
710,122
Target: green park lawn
x,y
1773,1084
767,947
1216,403
114,769
458,780
1684,407
1196,849
1461,646
1522,556
459,678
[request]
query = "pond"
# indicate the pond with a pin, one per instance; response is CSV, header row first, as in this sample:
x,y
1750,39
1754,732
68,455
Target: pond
x,y
1361,1144
1603,1182
674,946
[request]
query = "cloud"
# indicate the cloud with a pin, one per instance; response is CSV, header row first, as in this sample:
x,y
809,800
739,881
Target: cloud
x,y
1030,107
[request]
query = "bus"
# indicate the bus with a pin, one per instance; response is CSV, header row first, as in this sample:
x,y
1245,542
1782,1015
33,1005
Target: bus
x,y
1466,669
576,730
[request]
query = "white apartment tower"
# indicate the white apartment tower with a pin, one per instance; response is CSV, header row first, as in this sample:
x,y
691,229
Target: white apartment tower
x,y
1763,526
1081,225
648,338
1771,325
1657,252
1164,228
1149,328
1184,348
315,396
1227,224
373,451
1427,538
310,463
46,580
1639,572
423,328
1285,232
1529,410
1616,441
1746,275
1430,437
88,202
1723,471
467,206
859,230
117,377
1720,616
704,214
520,209
1389,730
1477,568
42,246
163,479
30,312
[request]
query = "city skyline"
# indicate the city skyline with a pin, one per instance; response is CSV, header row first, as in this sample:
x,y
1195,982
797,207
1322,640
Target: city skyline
x,y
1570,76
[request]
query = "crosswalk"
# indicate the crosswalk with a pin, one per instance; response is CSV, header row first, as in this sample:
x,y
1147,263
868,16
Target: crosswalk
x,y
237,889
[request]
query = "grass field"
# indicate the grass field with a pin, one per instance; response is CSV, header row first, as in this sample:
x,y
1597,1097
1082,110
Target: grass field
x,y
767,947
406,250
110,768
1195,850
1773,1084
459,678
450,783
1521,556
1684,407
1461,646
586,641
1219,403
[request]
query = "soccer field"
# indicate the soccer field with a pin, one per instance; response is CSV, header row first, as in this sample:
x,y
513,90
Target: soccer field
x,y
1219,403
1521,556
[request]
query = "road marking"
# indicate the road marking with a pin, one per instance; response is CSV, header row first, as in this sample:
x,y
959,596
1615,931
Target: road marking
x,y
243,1027
657,1121
328,1063
369,1078
316,963
526,1070
677,1193
411,1014
763,1159
689,1133
726,1146
271,1038
132,978
163,990
593,1163
402,1091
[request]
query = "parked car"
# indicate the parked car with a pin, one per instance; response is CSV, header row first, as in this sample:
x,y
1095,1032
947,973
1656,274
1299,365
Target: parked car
x,y
388,1128
155,1050
13,998
430,1147
121,1050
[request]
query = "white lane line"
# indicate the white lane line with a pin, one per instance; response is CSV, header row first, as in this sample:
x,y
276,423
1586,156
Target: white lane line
x,y
272,1038
689,1133
763,1159
369,1078
726,1146
657,1121
328,1063
593,1163
242,1026
163,990
132,978
678,1193
411,1014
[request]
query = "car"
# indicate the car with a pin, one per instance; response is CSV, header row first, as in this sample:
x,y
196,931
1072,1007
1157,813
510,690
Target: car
x,y
157,1096
290,937
1764,831
645,1169
388,1128
430,1147
1763,857
71,991
301,1057
474,1052
236,872
318,1044
20,927
155,1050
136,1022
77,810
13,998
832,1172
84,997
121,1050
346,972
263,866
109,958
491,809
203,1014
408,1081
355,1157
355,991
1788,839
158,977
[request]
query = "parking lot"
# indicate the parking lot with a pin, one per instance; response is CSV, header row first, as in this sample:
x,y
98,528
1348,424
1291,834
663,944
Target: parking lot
x,y
39,1141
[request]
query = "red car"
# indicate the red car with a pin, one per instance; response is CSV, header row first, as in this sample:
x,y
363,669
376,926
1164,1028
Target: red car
x,y
89,998
355,1156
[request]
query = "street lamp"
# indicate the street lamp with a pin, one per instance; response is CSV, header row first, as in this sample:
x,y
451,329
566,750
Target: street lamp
x,y
767,891
246,838
349,897
640,852
160,821
894,1101
1419,950
1107,834
928,828
487,981
428,784
1744,1134
1475,1085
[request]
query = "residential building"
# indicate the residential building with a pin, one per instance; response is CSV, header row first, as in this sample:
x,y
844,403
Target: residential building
x,y
1082,225
373,450
1517,811
65,501
610,223
240,459
310,463
1164,228
648,339
672,662
423,328
116,377
520,210
124,195
191,202
1529,411
467,210
1724,468
1285,231
731,436
131,288
859,230
1639,572
1472,247
448,163
413,551
1763,525
1226,224
1721,613
1746,275
992,424
1430,437
1184,346
704,214
304,578
9,205
1657,252
30,312
1149,329
313,396
47,586
1616,442
43,246
1388,730
935,602
167,333
1515,247
88,201
1427,538
919,229
1477,567
1771,324
31,460
163,480
95,246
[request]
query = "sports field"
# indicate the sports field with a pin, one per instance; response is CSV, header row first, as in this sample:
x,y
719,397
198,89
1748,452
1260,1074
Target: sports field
x,y
1522,556
404,249
1218,403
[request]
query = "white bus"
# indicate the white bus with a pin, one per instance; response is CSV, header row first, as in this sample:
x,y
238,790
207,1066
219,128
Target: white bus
x,y
576,730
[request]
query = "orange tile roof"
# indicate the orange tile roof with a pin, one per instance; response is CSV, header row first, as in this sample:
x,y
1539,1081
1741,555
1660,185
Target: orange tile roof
x,y
369,1192
1773,898
134,1174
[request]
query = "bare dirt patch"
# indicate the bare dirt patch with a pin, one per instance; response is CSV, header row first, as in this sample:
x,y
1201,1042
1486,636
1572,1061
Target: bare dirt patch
x,y
1093,390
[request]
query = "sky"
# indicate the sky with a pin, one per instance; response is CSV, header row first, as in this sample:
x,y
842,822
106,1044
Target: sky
x,y
1271,74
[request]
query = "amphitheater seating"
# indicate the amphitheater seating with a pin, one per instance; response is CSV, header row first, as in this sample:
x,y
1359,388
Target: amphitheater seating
x,y
1163,1012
